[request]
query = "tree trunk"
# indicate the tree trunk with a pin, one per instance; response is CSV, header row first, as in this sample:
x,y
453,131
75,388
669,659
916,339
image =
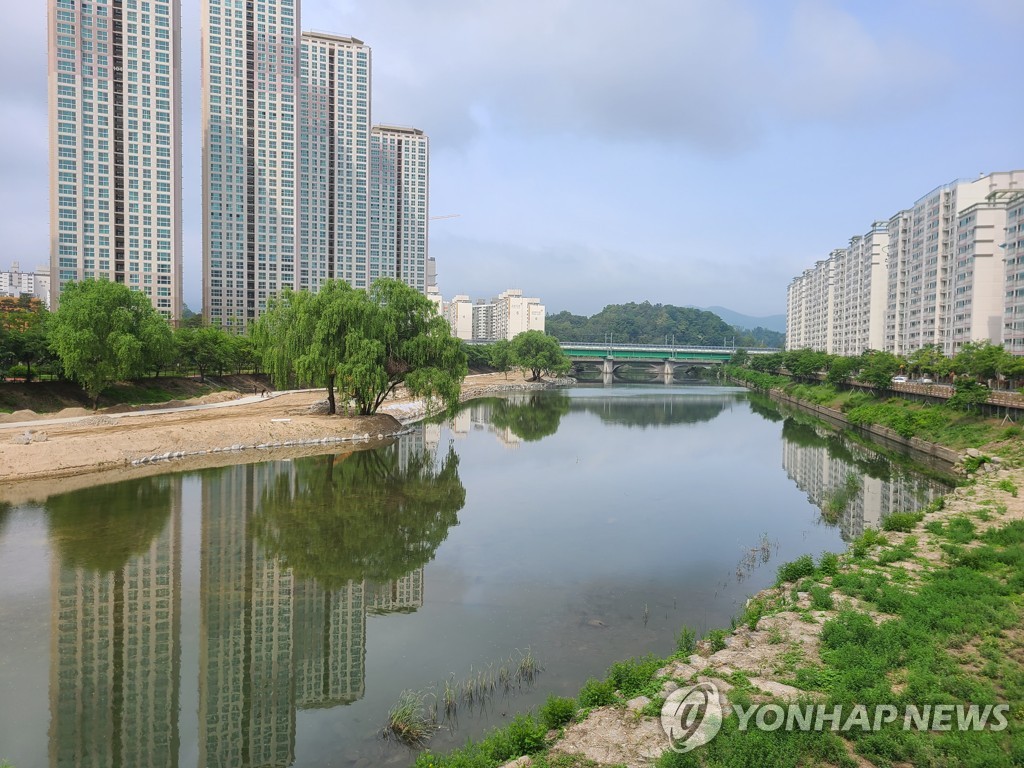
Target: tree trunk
x,y
331,405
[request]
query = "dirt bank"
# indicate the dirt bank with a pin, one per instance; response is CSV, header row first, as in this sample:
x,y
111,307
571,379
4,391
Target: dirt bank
x,y
128,444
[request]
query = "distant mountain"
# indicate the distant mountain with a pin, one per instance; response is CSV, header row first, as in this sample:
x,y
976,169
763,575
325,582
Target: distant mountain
x,y
748,322
648,323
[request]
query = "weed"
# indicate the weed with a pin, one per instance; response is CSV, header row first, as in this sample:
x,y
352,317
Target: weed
x,y
973,463
716,639
409,720
557,711
633,676
796,570
902,521
1007,485
686,641
597,693
821,599
775,636
828,565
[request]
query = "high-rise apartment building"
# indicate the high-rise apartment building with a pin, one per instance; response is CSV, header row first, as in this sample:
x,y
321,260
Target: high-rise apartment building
x,y
115,146
1013,256
250,59
334,161
934,274
399,184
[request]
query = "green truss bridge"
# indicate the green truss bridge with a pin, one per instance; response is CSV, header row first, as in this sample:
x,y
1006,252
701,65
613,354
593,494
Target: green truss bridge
x,y
666,357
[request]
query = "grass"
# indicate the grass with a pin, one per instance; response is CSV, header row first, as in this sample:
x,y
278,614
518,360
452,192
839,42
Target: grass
x,y
410,720
686,641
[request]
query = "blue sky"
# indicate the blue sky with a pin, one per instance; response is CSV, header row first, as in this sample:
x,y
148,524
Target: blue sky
x,y
681,151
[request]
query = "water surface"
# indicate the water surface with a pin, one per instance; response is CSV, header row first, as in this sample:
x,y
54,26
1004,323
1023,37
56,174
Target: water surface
x,y
270,614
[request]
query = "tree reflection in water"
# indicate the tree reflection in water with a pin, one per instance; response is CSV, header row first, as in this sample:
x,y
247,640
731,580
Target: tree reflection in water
x,y
103,527
532,417
375,515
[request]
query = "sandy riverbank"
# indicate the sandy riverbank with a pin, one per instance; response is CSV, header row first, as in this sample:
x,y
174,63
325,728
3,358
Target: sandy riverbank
x,y
125,445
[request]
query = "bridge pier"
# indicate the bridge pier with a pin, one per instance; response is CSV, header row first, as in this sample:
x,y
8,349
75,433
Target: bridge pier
x,y
670,368
608,366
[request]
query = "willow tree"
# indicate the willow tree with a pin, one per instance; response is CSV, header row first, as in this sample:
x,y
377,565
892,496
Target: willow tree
x,y
366,343
394,336
300,338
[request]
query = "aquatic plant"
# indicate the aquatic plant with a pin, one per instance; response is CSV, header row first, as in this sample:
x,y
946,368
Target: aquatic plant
x,y
410,720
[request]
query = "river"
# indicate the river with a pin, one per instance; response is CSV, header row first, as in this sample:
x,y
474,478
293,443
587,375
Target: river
x,y
270,614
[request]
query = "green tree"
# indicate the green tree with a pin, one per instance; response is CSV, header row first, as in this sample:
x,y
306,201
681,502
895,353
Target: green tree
x,y
364,515
840,368
23,333
368,343
805,363
204,349
500,356
740,357
968,394
926,360
101,334
395,337
878,368
983,360
242,353
536,352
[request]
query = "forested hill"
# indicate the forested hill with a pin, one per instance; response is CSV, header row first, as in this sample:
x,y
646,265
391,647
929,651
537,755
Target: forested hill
x,y
654,323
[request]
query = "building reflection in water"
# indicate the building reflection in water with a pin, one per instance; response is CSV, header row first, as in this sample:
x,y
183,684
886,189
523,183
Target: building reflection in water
x,y
860,487
115,648
270,642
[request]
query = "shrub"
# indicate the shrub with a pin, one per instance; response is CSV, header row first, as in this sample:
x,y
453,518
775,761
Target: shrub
x,y
821,599
596,693
798,569
557,711
828,565
632,676
523,736
716,638
902,521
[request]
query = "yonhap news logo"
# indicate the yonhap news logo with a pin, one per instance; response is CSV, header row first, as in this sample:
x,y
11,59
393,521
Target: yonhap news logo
x,y
692,717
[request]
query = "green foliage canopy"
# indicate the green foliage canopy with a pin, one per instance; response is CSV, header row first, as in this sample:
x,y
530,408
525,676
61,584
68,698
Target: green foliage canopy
x,y
104,332
365,342
537,352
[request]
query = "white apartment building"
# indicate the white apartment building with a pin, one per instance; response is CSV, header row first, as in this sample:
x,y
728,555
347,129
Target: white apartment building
x,y
484,320
115,146
932,274
459,314
504,317
15,283
898,292
1013,256
978,276
859,293
334,161
250,56
813,291
514,313
399,208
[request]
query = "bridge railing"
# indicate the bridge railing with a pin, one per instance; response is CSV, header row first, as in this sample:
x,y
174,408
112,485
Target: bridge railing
x,y
662,347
